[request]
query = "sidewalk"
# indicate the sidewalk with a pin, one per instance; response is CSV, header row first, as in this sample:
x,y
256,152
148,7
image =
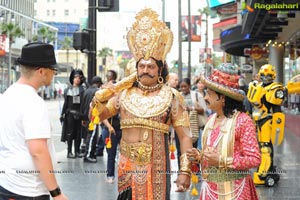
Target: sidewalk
x,y
86,181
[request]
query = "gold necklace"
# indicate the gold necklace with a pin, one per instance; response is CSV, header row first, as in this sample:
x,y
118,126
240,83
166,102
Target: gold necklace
x,y
146,106
148,89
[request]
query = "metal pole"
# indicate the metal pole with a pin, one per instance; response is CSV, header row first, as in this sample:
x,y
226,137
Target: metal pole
x,y
163,10
92,46
189,39
2,82
179,41
207,70
9,61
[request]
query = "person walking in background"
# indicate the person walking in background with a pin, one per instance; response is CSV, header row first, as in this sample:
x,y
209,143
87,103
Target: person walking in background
x,y
55,93
111,77
70,115
194,101
244,86
92,135
26,148
173,81
111,131
200,87
59,92
230,147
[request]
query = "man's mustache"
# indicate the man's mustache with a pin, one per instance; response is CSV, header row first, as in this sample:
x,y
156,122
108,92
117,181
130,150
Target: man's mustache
x,y
149,75
207,102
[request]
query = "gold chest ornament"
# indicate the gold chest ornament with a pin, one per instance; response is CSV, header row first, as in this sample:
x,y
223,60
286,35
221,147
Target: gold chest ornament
x,y
146,106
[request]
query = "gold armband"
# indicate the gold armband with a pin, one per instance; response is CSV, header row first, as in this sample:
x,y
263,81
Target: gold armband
x,y
100,108
111,108
185,165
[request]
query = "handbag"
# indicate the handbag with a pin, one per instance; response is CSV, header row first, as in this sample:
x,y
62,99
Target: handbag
x,y
201,118
194,125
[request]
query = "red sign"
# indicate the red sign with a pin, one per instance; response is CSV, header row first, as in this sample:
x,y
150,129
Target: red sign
x,y
2,45
195,28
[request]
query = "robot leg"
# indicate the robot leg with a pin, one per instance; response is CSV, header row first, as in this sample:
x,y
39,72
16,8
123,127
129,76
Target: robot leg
x,y
266,174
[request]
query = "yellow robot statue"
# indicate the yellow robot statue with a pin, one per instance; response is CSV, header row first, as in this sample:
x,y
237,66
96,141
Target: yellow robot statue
x,y
267,97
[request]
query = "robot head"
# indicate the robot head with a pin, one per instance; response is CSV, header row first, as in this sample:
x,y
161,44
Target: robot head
x,y
267,74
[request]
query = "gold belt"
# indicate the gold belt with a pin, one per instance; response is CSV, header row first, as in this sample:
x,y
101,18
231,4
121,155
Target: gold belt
x,y
217,175
144,123
139,153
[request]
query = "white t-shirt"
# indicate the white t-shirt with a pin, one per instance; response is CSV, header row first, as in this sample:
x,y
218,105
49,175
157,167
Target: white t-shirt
x,y
23,116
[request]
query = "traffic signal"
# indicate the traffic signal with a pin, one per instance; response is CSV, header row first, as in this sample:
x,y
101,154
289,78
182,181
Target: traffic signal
x,y
108,5
81,40
176,64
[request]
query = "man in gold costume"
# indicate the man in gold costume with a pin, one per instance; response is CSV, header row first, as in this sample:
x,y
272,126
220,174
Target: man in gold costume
x,y
147,108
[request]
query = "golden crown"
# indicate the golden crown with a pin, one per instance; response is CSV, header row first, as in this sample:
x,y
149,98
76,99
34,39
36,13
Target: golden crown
x,y
149,37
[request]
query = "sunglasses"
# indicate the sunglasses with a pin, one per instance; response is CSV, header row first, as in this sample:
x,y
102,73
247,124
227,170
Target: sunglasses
x,y
53,69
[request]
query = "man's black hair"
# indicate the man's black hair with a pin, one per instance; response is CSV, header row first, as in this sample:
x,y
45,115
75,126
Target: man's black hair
x,y
97,80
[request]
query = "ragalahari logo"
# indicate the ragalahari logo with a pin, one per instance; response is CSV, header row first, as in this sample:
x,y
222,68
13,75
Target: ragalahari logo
x,y
246,8
271,7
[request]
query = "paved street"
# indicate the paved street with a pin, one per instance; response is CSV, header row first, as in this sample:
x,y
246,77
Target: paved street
x,y
86,181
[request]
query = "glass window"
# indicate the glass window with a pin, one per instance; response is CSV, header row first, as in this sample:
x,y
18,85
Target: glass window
x,y
53,12
66,12
48,12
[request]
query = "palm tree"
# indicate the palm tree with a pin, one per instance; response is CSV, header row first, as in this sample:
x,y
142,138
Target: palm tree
x,y
103,53
12,31
66,44
46,34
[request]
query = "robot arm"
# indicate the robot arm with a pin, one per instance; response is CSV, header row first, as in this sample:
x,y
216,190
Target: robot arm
x,y
293,86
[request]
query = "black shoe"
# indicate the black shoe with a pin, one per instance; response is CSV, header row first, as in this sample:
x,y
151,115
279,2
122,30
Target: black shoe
x,y
78,155
89,160
99,154
70,155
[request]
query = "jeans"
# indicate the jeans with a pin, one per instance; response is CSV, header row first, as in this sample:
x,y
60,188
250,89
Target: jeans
x,y
111,152
100,143
7,195
199,144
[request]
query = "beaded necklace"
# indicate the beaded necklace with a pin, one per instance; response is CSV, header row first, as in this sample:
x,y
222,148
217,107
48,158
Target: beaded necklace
x,y
148,89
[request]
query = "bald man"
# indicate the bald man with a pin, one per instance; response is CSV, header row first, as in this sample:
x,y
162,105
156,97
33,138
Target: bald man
x,y
173,80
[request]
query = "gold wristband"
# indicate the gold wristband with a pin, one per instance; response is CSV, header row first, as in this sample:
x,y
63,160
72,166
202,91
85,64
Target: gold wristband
x,y
185,164
185,173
